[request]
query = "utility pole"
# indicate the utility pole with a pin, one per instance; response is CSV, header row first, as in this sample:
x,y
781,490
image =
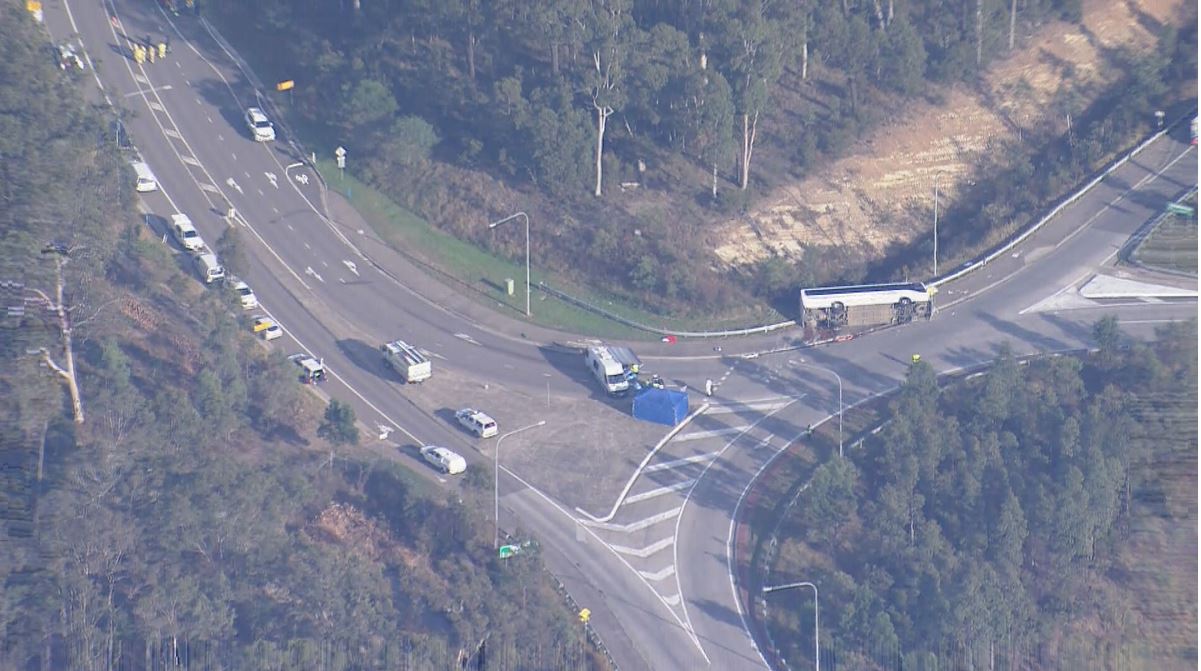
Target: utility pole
x,y
936,225
526,217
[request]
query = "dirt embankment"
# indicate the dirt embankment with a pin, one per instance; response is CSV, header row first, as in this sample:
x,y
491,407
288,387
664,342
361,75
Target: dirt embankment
x,y
884,194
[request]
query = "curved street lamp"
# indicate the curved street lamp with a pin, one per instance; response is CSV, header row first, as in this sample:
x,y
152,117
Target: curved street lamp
x,y
817,651
496,480
526,217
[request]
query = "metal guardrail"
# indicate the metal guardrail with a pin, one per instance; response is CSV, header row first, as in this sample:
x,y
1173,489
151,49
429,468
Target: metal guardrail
x,y
937,282
1030,230
262,101
1131,248
294,142
542,286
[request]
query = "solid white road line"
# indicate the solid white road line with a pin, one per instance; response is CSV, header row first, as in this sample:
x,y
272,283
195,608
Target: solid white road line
x,y
638,525
753,406
675,463
675,559
712,433
659,575
658,492
644,552
581,529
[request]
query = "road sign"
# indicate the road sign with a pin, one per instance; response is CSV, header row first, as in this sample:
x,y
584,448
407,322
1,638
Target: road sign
x,y
285,85
340,154
1182,210
507,551
585,615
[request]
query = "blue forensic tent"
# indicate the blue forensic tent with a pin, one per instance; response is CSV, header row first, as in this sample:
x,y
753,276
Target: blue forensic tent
x,y
662,406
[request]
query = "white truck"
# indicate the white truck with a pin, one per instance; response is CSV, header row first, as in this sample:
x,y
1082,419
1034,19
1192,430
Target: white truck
x,y
612,367
410,364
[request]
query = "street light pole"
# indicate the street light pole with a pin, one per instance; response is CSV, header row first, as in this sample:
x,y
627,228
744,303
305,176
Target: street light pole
x,y
526,217
936,224
840,406
496,480
817,651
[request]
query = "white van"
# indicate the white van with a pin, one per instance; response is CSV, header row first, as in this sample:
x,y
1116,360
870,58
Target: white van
x,y
444,460
209,267
611,366
185,233
477,422
145,178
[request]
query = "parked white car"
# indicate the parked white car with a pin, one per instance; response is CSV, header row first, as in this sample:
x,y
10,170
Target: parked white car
x,y
261,128
68,57
185,233
477,422
444,460
145,179
246,295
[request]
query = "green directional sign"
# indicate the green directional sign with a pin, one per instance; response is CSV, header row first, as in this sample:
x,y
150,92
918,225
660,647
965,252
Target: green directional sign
x,y
1182,210
507,551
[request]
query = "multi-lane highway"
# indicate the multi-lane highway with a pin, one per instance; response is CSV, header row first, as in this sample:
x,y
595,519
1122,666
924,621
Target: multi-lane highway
x,y
653,565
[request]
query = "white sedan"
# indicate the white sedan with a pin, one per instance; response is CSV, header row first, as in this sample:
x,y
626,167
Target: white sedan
x,y
246,295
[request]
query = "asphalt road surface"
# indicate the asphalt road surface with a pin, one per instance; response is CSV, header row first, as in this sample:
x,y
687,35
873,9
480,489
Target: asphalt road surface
x,y
656,568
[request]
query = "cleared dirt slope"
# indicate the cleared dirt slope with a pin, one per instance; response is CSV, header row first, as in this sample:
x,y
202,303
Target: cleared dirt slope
x,y
884,193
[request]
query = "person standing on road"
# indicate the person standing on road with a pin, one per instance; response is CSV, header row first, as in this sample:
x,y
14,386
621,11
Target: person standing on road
x,y
162,51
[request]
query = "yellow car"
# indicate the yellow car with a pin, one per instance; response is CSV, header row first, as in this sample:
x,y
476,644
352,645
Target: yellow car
x,y
261,324
266,328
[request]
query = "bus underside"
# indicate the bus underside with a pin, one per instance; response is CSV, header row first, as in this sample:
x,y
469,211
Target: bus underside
x,y
839,316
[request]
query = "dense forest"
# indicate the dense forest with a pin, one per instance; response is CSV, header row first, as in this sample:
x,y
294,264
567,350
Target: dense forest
x,y
698,104
1037,514
187,513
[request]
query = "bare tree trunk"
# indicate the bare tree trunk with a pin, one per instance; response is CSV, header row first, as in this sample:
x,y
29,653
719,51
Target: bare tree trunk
x,y
714,181
890,13
979,32
602,118
64,326
1013,20
111,625
804,60
471,55
879,14
749,125
554,57
42,450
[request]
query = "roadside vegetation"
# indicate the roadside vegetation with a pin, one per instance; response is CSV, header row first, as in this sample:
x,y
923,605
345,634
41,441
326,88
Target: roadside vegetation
x,y
628,129
1036,514
1172,245
1020,180
204,513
